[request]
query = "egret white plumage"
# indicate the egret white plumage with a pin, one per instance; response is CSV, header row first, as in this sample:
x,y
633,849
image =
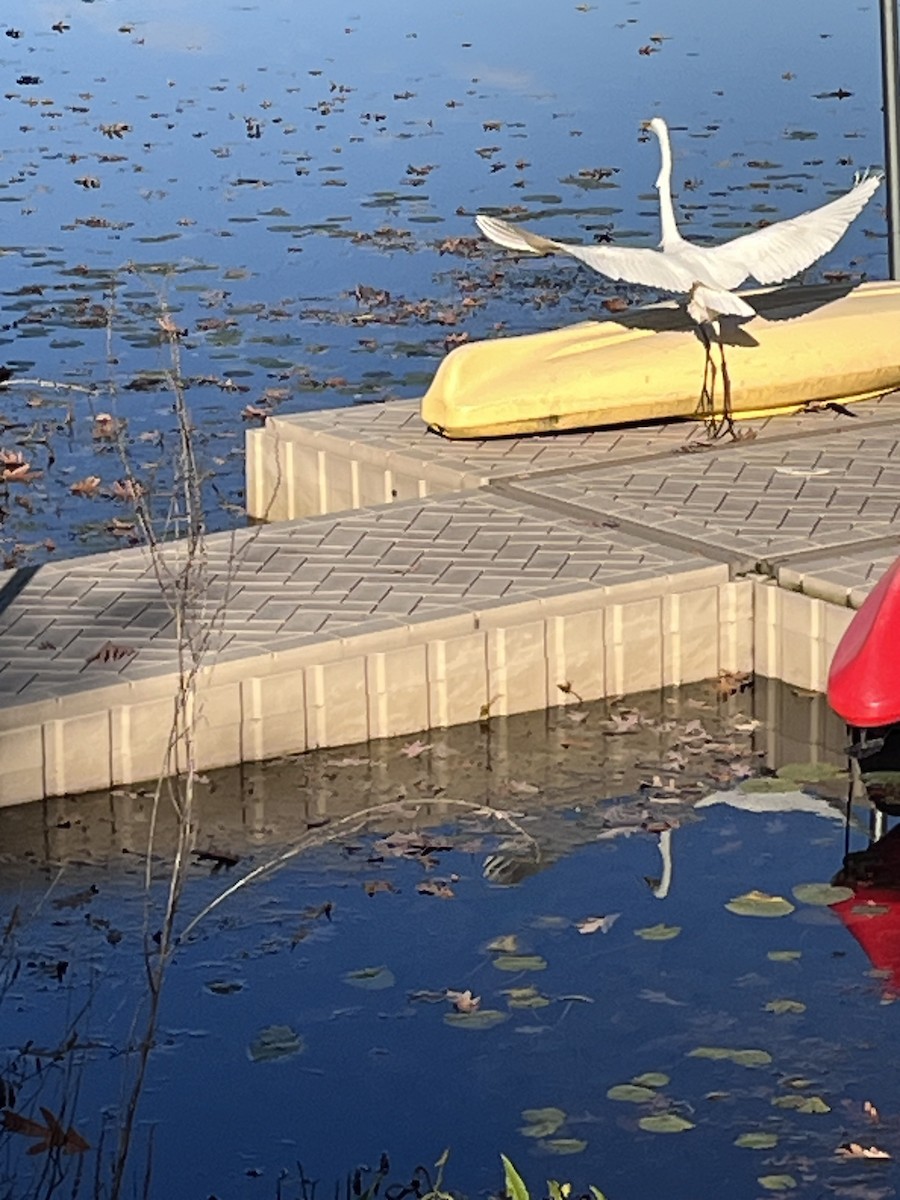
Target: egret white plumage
x,y
706,275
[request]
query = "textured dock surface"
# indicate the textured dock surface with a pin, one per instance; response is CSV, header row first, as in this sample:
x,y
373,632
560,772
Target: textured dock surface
x,y
409,581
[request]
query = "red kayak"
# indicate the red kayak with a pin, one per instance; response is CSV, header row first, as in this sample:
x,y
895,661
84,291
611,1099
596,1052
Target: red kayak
x,y
864,678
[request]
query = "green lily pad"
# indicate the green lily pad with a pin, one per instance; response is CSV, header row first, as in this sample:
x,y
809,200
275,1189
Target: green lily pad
x,y
665,1123
743,1058
482,1018
651,1079
759,904
820,893
820,772
784,955
506,943
777,1183
563,1145
785,1006
802,1104
542,1122
520,962
525,997
277,1041
631,1093
658,933
766,784
371,979
870,910
757,1141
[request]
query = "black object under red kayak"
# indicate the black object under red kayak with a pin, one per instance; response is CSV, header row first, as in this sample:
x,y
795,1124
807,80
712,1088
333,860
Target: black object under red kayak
x,y
864,678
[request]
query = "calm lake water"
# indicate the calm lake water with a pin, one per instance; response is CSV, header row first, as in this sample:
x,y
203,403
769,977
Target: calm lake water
x,y
306,1020
292,182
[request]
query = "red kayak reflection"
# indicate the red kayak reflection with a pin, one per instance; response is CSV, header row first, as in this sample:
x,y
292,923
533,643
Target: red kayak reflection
x,y
872,913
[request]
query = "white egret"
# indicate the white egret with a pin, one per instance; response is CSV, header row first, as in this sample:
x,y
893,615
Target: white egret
x,y
706,275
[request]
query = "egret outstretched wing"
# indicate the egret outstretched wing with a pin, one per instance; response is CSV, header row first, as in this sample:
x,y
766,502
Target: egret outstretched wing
x,y
631,264
779,251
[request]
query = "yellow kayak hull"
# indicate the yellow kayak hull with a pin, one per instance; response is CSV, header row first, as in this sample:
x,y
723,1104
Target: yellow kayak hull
x,y
806,345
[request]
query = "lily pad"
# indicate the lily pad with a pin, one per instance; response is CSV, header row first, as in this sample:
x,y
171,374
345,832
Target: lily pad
x,y
274,1042
811,772
757,1141
371,979
665,1123
743,1058
563,1145
802,1104
525,997
821,893
631,1093
507,943
542,1122
482,1018
658,933
766,784
784,955
777,1183
520,962
651,1079
785,1006
759,904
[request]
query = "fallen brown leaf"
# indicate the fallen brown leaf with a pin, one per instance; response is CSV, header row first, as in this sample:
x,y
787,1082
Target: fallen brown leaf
x,y
52,1135
855,1150
463,1002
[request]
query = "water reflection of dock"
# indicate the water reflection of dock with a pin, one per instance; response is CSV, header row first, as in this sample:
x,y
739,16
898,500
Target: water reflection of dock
x,y
497,575
568,780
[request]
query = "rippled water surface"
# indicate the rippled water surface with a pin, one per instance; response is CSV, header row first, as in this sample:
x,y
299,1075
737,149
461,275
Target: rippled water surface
x,y
573,871
292,185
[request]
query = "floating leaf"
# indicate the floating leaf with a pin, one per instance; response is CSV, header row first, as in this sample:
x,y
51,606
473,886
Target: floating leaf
x,y
777,1183
819,772
665,1123
802,1104
784,955
658,933
743,1058
785,1006
520,962
277,1041
651,1079
821,893
508,943
525,997
870,909
766,784
759,904
482,1018
542,1122
372,979
563,1145
757,1141
225,987
597,924
855,1150
631,1093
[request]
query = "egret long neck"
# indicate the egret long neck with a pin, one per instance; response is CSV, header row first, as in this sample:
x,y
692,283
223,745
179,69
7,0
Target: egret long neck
x,y
670,235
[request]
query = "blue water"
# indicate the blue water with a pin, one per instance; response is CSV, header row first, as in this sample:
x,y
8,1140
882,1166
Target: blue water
x,y
264,146
381,1071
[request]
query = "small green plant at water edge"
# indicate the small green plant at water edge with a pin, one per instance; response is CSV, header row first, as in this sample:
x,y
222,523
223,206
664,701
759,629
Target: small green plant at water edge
x,y
515,1188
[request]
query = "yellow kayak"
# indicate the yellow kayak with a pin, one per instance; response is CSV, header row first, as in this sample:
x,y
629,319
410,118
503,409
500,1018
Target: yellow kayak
x,y
807,344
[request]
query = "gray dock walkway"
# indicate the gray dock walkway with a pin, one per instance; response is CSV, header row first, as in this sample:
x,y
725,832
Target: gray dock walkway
x,y
411,582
